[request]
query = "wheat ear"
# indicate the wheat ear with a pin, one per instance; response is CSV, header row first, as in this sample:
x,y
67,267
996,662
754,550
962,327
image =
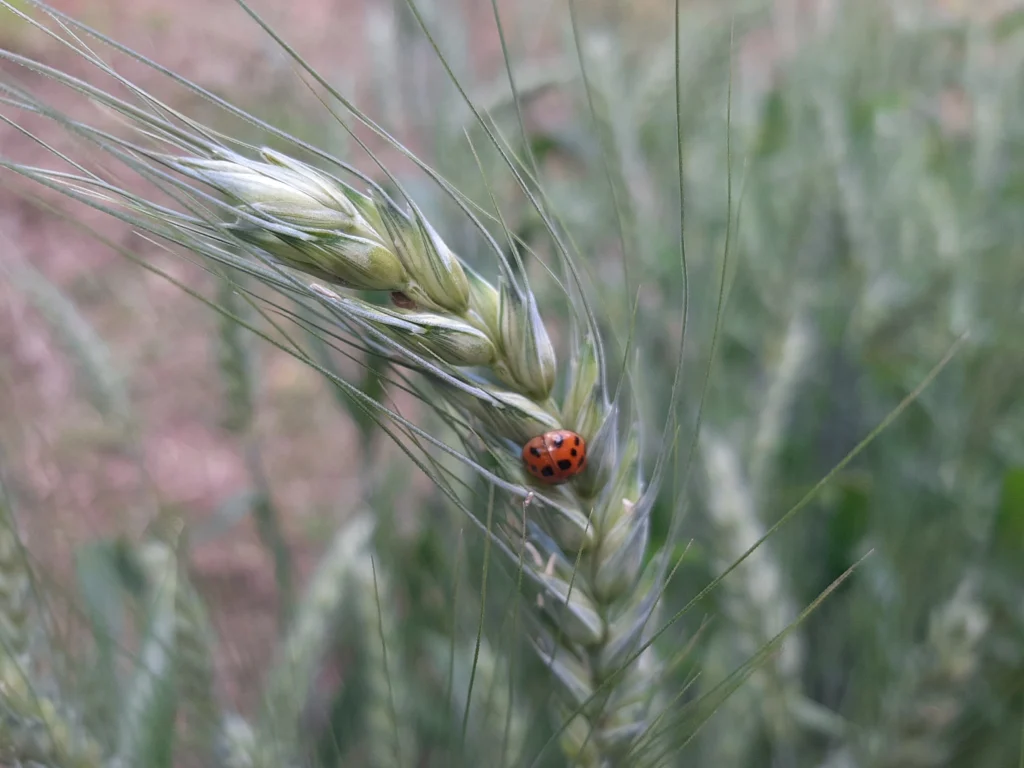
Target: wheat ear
x,y
582,546
756,602
34,726
483,345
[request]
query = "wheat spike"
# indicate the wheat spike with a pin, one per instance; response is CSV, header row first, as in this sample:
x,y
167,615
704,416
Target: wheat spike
x,y
147,714
15,589
758,602
291,675
925,701
592,533
36,728
236,743
234,356
389,738
916,735
487,352
35,724
194,646
497,726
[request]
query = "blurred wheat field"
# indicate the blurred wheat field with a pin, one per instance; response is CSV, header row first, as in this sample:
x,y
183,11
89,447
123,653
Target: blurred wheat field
x,y
851,315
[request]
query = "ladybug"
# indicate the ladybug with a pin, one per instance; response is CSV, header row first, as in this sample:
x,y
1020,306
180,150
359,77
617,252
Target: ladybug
x,y
555,457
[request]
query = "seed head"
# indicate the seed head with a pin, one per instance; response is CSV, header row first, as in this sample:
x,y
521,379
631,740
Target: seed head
x,y
529,359
283,189
454,341
622,550
347,260
577,741
438,278
306,219
237,742
570,670
606,453
513,416
574,612
627,630
484,303
583,410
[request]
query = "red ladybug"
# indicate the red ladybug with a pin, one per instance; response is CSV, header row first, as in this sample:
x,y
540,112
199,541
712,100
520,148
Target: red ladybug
x,y
555,457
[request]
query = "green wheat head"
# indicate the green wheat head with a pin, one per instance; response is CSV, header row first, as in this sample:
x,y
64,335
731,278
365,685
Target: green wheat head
x,y
482,347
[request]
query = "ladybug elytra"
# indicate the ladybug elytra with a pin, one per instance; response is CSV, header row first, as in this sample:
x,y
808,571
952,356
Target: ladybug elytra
x,y
556,456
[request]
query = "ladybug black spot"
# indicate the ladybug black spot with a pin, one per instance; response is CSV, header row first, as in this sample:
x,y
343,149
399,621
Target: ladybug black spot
x,y
573,452
564,464
577,441
547,472
557,440
535,451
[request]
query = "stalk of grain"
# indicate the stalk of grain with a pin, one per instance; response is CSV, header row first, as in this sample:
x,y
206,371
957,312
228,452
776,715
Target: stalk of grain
x,y
34,726
275,739
585,541
146,720
756,601
486,350
925,701
390,739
